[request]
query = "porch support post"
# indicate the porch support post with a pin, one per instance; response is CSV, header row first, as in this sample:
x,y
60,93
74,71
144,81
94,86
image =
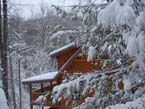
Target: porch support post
x,y
30,87
51,86
41,87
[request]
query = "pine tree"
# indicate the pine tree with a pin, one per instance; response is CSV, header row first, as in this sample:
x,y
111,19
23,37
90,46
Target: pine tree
x,y
118,33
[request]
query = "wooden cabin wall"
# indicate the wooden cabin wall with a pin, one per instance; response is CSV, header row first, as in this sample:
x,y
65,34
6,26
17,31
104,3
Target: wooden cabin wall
x,y
82,66
62,58
77,65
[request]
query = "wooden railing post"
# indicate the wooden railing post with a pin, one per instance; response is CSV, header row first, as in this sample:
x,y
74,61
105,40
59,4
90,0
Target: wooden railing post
x,y
51,86
30,87
41,87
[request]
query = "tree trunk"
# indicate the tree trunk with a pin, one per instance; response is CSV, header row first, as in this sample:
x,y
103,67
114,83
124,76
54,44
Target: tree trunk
x,y
43,26
12,82
4,50
1,54
20,90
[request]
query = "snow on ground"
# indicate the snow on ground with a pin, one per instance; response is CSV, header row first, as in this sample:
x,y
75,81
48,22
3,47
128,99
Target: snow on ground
x,y
136,104
3,101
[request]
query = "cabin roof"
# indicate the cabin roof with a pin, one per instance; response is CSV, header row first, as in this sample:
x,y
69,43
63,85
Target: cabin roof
x,y
62,49
41,78
50,76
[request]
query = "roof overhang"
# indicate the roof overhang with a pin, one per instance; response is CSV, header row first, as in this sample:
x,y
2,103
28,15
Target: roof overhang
x,y
63,49
46,77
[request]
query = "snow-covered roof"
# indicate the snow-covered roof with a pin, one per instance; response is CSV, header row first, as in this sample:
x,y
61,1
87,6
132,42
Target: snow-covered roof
x,y
60,50
41,78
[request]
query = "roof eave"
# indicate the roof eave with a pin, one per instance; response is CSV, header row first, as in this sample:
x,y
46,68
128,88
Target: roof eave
x,y
38,81
61,50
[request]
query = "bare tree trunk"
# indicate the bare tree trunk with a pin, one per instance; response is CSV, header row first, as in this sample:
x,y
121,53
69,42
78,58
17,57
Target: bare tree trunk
x,y
4,50
1,43
43,26
20,90
12,82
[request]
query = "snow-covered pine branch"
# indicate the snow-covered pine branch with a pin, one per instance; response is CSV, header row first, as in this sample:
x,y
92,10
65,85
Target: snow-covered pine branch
x,y
119,33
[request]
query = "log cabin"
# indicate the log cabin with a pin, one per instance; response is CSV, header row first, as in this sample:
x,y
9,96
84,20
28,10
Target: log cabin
x,y
69,59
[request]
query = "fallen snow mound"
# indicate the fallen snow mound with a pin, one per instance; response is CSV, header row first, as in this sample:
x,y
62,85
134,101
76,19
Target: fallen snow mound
x,y
3,101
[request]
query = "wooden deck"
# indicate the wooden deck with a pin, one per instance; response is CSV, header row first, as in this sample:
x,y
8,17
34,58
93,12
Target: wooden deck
x,y
60,105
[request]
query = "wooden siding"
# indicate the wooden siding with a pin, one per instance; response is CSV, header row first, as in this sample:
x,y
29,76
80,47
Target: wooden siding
x,y
82,66
62,58
77,65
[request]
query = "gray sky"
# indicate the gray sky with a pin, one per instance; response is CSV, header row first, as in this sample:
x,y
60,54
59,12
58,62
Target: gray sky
x,y
25,11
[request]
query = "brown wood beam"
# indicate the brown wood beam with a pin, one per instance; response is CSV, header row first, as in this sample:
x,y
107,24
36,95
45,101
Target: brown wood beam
x,y
41,87
30,88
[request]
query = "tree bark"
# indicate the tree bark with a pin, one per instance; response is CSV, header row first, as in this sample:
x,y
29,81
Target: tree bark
x,y
4,50
1,43
43,26
12,82
20,90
